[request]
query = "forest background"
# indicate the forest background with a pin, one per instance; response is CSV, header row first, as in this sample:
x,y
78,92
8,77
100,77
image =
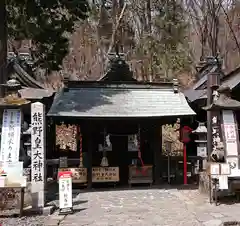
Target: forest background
x,y
160,39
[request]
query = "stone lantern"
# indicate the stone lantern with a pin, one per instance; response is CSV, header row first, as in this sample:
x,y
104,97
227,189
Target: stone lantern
x,y
201,133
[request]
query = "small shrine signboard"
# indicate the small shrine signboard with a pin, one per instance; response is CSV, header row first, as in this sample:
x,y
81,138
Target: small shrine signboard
x,y
79,175
99,174
216,169
220,171
230,132
65,192
105,174
231,144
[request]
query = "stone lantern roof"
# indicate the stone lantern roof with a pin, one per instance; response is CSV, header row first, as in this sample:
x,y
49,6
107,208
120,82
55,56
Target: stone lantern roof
x,y
223,101
12,98
200,129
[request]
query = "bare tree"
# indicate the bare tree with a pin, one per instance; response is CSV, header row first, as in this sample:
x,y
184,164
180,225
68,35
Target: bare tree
x,y
213,25
139,28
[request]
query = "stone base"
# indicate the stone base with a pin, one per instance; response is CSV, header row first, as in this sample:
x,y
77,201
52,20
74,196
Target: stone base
x,y
203,185
45,211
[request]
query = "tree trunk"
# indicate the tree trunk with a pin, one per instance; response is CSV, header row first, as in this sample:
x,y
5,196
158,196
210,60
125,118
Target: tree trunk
x,y
149,16
149,30
3,44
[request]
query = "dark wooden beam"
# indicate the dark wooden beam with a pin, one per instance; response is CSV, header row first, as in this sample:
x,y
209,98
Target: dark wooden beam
x,y
90,152
157,152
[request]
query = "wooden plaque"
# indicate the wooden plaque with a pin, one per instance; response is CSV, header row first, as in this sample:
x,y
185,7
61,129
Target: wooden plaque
x,y
105,174
214,169
79,175
225,169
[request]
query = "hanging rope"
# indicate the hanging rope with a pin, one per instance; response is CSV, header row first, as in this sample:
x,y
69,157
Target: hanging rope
x,y
80,146
141,170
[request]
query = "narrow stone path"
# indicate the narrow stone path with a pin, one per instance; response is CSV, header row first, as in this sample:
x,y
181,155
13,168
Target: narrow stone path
x,y
131,207
153,207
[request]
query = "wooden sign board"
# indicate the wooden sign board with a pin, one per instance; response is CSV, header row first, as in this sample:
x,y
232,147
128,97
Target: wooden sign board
x,y
65,192
225,169
105,174
216,169
79,175
223,182
99,174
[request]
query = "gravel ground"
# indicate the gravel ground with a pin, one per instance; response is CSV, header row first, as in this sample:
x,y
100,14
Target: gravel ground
x,y
10,218
136,207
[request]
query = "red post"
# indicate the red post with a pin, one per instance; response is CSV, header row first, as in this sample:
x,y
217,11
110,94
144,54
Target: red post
x,y
184,137
184,164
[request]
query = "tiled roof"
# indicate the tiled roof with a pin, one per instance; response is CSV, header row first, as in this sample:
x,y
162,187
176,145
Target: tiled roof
x,y
193,95
119,102
24,78
203,78
232,81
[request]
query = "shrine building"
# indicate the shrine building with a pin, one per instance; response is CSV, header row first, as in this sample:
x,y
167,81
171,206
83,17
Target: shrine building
x,y
117,123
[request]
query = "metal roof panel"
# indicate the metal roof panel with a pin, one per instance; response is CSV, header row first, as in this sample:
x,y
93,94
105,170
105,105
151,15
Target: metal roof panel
x,y
119,102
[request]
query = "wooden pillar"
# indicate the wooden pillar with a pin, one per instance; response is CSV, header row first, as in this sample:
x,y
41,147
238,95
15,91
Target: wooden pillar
x,y
51,140
90,152
157,150
3,45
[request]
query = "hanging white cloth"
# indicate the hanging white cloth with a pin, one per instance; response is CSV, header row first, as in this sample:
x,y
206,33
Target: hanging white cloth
x,y
108,142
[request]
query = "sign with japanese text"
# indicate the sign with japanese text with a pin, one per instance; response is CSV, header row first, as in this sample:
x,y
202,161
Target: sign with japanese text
x,y
65,191
214,169
105,174
220,169
38,151
99,174
79,175
230,132
230,141
10,139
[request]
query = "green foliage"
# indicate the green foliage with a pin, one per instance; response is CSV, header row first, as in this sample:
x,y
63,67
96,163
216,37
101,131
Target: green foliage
x,y
48,24
167,44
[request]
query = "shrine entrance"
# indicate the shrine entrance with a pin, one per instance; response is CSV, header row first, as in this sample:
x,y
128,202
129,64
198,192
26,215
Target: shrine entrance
x,y
113,146
121,151
117,124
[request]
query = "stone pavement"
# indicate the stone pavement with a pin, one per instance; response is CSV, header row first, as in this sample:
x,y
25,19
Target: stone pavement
x,y
145,207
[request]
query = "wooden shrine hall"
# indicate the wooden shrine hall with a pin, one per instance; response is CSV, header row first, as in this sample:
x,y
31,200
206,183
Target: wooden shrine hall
x,y
119,121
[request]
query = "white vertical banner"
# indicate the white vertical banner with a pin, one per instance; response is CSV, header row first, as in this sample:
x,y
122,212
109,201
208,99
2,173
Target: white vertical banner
x,y
11,134
38,155
231,136
65,192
